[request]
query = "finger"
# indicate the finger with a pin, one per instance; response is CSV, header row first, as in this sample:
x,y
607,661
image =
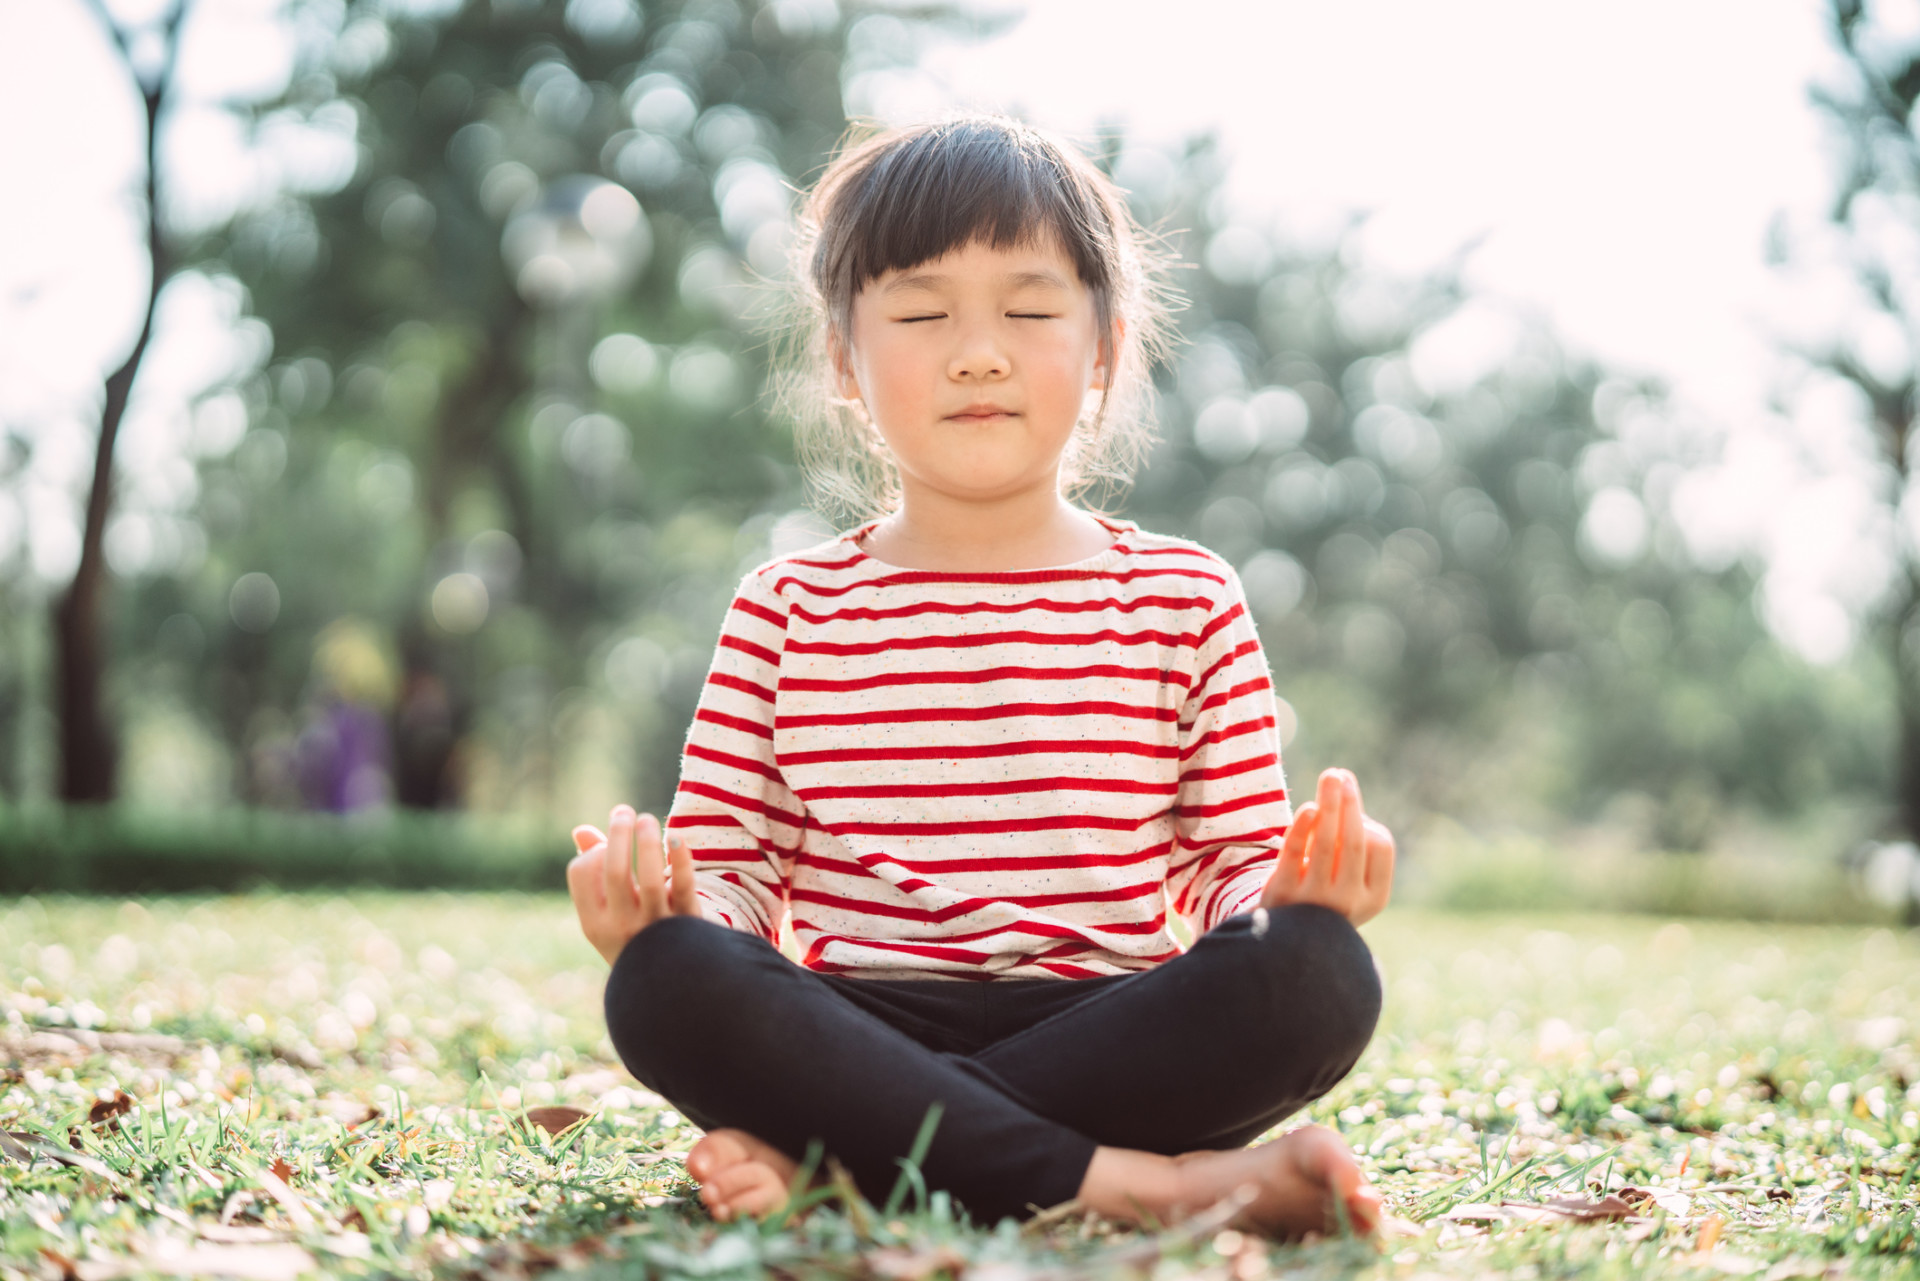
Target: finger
x,y
1291,867
584,882
650,878
1323,851
616,873
1382,854
586,836
680,891
1352,871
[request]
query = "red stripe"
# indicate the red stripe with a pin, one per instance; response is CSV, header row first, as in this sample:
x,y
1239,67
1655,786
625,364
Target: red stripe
x,y
1187,640
965,906
1239,651
848,563
961,608
1223,620
744,686
1030,862
916,578
1005,710
1009,787
1227,696
760,652
989,827
1229,771
977,751
733,722
1261,837
1041,928
1228,807
735,762
749,804
760,612
1212,737
1103,671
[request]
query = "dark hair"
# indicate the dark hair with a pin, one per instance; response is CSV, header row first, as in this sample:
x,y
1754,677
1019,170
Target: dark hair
x,y
907,196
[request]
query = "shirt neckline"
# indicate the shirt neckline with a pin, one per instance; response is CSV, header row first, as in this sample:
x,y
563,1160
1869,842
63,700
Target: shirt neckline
x,y
1100,560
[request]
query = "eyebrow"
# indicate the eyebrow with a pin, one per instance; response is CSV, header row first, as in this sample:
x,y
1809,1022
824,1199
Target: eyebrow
x,y
927,281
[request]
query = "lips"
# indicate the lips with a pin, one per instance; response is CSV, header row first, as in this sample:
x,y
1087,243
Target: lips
x,y
980,414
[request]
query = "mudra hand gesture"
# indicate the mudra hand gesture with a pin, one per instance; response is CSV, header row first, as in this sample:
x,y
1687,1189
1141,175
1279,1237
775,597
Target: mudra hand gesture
x,y
1334,855
616,894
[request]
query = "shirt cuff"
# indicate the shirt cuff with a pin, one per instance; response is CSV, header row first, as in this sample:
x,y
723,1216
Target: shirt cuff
x,y
1240,893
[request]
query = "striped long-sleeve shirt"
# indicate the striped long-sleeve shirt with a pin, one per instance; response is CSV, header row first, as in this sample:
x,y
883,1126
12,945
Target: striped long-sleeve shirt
x,y
1005,775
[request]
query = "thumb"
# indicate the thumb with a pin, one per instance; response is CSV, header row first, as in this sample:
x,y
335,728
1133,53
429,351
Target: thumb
x,y
586,836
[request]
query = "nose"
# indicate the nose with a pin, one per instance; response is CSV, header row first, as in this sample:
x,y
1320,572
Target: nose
x,y
978,355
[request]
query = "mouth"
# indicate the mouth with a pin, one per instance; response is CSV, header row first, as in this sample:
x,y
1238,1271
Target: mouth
x,y
981,414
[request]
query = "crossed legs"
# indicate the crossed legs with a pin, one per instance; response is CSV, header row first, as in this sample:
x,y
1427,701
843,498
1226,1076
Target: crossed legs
x,y
1133,1094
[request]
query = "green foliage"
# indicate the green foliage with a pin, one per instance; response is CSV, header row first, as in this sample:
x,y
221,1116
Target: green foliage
x,y
1467,568
127,851
382,1052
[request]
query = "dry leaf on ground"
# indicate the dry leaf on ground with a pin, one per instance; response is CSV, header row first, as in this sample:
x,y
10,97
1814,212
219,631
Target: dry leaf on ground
x,y
557,1119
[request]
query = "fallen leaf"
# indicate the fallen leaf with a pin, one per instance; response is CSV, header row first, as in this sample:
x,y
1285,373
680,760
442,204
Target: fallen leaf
x,y
22,1145
1610,1206
289,1200
897,1263
1668,1199
349,1112
282,1171
105,1114
557,1119
1709,1235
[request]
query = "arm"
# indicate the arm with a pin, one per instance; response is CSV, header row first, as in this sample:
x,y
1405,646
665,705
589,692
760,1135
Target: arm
x,y
733,808
734,825
1232,809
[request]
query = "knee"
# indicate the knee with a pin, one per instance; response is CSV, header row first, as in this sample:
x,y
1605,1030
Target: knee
x,y
1319,978
667,981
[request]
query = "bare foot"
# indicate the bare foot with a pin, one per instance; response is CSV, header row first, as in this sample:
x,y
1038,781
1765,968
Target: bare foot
x,y
738,1174
1295,1184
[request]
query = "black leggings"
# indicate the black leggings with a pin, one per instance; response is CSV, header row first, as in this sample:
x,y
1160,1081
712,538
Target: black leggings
x,y
1208,1050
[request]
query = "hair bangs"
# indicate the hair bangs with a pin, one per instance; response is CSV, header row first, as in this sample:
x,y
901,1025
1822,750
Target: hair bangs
x,y
944,187
970,182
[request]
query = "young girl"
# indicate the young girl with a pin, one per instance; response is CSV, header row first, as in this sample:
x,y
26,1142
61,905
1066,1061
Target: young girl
x,y
974,751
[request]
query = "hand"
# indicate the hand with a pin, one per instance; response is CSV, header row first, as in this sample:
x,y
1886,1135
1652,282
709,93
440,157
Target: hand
x,y
617,896
1334,855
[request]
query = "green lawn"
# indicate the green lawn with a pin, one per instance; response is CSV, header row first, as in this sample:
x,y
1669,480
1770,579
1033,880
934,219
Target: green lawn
x,y
339,1083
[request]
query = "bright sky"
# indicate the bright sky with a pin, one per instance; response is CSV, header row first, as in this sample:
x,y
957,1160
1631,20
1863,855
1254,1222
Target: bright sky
x,y
1621,162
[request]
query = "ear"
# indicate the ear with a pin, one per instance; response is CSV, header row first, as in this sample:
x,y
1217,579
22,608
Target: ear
x,y
1109,355
840,358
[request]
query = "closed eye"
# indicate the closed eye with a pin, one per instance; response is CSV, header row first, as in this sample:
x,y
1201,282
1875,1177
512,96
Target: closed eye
x,y
914,320
1032,315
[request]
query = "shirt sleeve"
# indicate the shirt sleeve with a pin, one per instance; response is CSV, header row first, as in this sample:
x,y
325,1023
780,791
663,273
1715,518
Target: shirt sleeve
x,y
742,824
1232,811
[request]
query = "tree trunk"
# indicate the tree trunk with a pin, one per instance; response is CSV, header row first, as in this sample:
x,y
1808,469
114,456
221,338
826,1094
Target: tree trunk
x,y
1904,644
88,751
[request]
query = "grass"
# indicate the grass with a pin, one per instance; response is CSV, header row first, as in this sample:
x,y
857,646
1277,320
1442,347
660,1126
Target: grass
x,y
351,1085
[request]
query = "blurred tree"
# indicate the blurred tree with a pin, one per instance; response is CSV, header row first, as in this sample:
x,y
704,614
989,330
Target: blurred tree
x,y
88,753
1458,543
512,415
1877,212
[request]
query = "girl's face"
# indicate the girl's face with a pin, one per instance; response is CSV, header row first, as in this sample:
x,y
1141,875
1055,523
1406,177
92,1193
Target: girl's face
x,y
975,366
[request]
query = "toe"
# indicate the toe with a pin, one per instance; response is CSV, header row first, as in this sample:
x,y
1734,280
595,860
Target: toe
x,y
715,1152
747,1188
